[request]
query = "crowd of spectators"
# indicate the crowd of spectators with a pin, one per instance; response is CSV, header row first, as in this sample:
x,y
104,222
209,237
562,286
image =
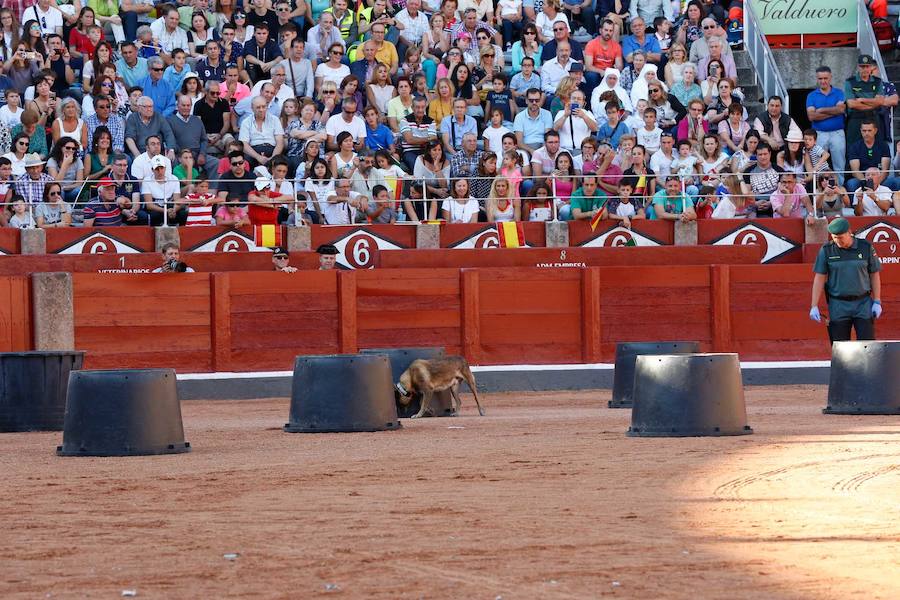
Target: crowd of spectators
x,y
305,112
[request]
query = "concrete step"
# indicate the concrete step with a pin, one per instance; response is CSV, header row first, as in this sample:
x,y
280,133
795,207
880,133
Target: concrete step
x,y
741,58
752,93
746,76
893,71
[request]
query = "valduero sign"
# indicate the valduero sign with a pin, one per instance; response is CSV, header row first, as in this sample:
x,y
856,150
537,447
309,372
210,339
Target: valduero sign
x,y
793,17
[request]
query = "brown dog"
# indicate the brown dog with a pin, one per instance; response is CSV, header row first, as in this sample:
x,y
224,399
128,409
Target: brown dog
x,y
429,376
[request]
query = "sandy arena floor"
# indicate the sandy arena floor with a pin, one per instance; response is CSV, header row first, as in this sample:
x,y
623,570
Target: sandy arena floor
x,y
543,498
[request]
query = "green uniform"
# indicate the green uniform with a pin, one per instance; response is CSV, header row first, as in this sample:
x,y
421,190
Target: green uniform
x,y
849,285
857,88
587,203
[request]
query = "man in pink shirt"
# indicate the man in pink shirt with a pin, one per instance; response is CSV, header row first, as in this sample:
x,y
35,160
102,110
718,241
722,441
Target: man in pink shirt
x,y
790,199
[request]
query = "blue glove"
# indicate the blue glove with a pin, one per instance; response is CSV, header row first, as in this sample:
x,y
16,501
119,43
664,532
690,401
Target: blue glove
x,y
815,315
876,309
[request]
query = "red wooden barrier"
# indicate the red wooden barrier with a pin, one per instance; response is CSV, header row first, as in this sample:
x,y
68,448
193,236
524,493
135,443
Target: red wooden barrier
x,y
15,314
484,235
781,240
100,240
555,258
143,321
222,239
10,241
609,233
357,246
146,262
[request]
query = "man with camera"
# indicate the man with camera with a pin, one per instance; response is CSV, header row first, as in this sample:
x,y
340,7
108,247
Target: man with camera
x,y
172,261
872,199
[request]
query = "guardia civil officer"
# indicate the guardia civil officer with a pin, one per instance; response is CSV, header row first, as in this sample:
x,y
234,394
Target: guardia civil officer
x,y
847,270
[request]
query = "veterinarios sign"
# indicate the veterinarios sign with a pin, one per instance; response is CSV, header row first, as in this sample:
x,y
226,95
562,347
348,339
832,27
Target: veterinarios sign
x,y
791,17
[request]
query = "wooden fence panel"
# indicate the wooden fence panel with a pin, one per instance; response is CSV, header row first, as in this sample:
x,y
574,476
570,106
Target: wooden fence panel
x,y
15,314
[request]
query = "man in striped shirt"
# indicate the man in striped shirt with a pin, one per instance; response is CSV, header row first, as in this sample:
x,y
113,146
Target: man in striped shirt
x,y
104,210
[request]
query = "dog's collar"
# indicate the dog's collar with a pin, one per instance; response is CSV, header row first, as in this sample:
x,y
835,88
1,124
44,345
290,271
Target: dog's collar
x,y
401,389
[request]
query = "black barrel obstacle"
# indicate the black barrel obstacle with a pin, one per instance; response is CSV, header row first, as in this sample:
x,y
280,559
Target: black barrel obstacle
x,y
128,412
338,393
680,395
401,358
626,355
33,389
864,378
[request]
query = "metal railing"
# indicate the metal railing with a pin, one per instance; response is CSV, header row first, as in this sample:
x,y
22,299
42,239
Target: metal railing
x,y
767,73
865,38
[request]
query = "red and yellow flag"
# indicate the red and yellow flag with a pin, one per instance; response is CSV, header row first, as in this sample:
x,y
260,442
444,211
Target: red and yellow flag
x,y
511,234
267,236
596,220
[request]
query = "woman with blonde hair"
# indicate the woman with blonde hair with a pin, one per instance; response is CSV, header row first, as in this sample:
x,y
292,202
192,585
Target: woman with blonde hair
x,y
675,65
732,202
327,101
565,88
442,104
502,205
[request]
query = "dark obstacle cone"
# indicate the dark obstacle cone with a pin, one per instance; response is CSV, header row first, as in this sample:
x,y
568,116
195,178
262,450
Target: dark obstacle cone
x,y
33,389
401,358
128,412
865,378
342,393
627,353
680,395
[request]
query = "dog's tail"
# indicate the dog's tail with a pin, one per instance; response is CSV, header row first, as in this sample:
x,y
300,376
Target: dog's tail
x,y
470,379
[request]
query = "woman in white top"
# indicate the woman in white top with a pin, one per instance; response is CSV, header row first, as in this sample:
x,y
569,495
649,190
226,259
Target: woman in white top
x,y
433,169
460,207
343,163
610,81
547,17
712,160
318,186
380,91
641,88
16,155
677,59
333,69
69,123
502,205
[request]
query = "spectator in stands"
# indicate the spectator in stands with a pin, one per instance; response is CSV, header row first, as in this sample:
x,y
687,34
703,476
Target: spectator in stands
x,y
162,196
365,177
211,67
131,67
141,168
261,53
31,185
575,122
774,125
873,199
30,126
300,76
191,135
460,207
104,117
864,93
531,124
561,33
866,153
456,127
145,123
347,120
700,47
672,204
556,68
790,200
158,89
66,167
127,195
761,180
343,205
262,134
831,198
602,52
465,162
825,107
589,200
661,160
280,91
53,212
22,217
104,210
238,182
717,54
543,160
639,40
172,262
416,130
213,112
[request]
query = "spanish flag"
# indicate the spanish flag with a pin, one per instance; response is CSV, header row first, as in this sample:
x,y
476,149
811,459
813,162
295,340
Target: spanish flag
x,y
511,234
596,220
267,236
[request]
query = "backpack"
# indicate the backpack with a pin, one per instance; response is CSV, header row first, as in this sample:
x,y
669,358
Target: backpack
x,y
884,34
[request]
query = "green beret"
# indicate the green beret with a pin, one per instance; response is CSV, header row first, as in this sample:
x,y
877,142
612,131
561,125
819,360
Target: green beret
x,y
839,226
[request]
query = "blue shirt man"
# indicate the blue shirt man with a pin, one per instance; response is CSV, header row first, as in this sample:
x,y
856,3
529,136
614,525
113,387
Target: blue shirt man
x,y
132,74
825,107
531,124
158,88
455,126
